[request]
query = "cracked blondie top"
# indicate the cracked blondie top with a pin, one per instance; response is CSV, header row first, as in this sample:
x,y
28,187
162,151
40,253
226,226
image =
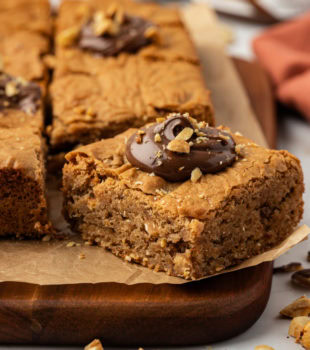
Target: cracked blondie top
x,y
190,228
127,91
25,28
122,64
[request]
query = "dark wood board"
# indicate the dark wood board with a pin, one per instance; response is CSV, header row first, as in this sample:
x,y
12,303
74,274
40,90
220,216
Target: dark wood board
x,y
143,315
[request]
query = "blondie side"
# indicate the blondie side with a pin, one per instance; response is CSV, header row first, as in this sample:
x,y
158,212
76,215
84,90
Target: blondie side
x,y
190,228
22,191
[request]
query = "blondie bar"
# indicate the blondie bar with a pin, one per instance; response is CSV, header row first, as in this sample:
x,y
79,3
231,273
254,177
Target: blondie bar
x,y
22,191
25,27
128,92
122,64
181,197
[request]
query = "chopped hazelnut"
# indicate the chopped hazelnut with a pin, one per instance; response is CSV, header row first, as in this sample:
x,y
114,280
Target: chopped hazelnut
x,y
160,120
305,338
263,347
11,89
94,345
196,175
102,26
300,307
138,139
297,326
157,138
152,33
68,36
185,134
178,146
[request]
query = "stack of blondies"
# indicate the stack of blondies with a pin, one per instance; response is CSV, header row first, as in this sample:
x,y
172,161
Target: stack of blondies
x,y
155,182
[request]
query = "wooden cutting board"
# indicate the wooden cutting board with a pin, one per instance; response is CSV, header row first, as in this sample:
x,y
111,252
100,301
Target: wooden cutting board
x,y
145,315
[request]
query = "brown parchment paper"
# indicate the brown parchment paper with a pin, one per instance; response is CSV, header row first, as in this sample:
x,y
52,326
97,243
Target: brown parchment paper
x,y
53,262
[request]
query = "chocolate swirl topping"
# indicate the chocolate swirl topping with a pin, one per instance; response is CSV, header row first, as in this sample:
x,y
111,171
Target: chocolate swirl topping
x,y
127,34
18,93
175,147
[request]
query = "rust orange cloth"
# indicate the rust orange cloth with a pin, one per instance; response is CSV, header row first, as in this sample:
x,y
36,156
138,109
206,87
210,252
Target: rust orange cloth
x,y
284,51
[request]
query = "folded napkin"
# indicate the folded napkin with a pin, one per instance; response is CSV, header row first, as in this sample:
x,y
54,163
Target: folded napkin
x,y
284,51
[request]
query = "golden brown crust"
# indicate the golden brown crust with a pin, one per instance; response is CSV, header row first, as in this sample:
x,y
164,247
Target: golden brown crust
x,y
31,15
21,53
185,198
128,91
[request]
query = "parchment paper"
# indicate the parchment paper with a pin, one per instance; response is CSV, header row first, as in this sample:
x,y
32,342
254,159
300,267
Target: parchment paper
x,y
54,263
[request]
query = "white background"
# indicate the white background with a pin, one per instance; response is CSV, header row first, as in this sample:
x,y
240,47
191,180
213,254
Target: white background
x,y
294,135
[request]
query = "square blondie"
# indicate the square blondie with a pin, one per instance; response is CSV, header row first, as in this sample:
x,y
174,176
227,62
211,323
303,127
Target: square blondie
x,y
123,78
23,205
128,92
187,229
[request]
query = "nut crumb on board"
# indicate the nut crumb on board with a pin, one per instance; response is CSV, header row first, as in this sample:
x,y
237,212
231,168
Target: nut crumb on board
x,y
299,307
46,238
300,330
297,327
263,347
94,345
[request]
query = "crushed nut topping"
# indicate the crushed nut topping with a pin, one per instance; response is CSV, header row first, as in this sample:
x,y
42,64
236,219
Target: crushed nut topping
x,y
178,146
153,34
68,36
157,137
185,134
11,89
210,150
196,175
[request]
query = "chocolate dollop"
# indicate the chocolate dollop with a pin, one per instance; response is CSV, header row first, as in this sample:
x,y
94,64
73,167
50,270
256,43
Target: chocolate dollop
x,y
18,93
130,37
209,149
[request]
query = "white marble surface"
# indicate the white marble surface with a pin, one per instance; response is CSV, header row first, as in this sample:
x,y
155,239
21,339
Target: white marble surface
x,y
294,135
